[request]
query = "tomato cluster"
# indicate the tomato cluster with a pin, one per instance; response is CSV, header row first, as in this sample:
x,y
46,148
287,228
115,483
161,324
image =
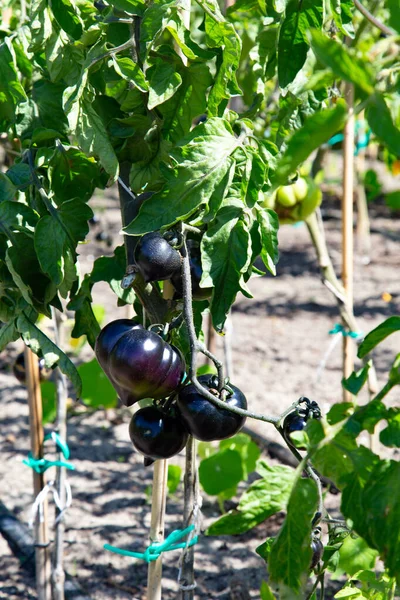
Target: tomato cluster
x,y
295,202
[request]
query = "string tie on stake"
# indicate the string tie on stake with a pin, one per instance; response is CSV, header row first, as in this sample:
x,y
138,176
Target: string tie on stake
x,y
37,507
40,465
154,551
338,328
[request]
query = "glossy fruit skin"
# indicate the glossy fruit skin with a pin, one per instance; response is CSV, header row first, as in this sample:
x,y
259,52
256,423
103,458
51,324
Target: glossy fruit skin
x,y
286,196
297,420
196,273
204,420
155,258
317,548
155,434
294,202
19,369
138,362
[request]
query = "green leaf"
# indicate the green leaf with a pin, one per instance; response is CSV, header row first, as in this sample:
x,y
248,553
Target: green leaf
x,y
381,122
67,17
39,343
40,25
71,170
390,436
377,335
174,478
11,91
131,71
248,450
7,188
8,333
85,319
293,42
74,215
357,380
220,471
265,591
343,16
291,553
269,224
343,62
20,175
49,401
112,270
317,129
50,239
393,200
263,498
226,254
133,7
164,81
394,14
356,555
202,159
96,387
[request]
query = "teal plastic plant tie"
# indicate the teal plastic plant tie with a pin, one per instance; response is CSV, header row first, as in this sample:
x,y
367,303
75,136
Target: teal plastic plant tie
x,y
155,549
339,137
40,465
338,328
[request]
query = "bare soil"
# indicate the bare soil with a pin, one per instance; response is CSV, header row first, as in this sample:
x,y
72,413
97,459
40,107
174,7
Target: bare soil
x,y
278,341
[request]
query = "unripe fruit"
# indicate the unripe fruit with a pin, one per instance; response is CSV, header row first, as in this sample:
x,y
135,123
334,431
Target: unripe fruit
x,y
286,196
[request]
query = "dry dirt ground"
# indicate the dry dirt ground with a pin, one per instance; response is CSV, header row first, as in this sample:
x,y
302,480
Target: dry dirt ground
x,y
278,341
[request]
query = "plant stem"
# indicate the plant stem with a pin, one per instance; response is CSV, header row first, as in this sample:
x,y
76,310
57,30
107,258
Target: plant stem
x,y
42,554
158,501
111,52
370,17
58,574
190,503
347,231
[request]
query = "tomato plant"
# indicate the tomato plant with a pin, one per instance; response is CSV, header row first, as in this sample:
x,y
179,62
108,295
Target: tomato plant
x,y
204,119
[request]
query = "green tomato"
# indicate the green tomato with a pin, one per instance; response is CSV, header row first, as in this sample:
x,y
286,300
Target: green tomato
x,y
286,196
300,188
311,202
269,200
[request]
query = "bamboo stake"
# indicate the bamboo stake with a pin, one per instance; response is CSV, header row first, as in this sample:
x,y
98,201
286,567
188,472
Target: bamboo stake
x,y
58,574
347,231
158,503
42,554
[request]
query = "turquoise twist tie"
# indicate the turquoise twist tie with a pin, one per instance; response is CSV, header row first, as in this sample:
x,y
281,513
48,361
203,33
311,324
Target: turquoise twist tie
x,y
154,551
40,465
345,333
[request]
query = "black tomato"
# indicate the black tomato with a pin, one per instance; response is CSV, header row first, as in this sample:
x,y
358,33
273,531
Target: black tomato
x,y
155,434
317,548
196,272
298,419
19,369
138,362
155,258
203,419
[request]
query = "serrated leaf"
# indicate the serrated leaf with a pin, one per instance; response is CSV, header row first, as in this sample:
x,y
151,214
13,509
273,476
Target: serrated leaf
x,y
269,224
85,319
11,91
220,471
357,380
202,160
164,82
317,129
293,43
343,16
290,556
50,239
96,387
377,335
226,254
67,17
71,170
263,498
131,71
390,436
112,270
8,333
39,343
381,122
75,214
342,60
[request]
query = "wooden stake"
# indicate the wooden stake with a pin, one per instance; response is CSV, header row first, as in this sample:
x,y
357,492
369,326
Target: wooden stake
x,y
190,501
158,503
58,574
42,554
347,231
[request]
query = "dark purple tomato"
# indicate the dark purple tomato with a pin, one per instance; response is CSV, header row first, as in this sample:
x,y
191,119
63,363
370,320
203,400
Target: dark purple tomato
x,y
105,342
317,548
142,363
293,422
156,259
203,419
19,369
196,273
155,434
